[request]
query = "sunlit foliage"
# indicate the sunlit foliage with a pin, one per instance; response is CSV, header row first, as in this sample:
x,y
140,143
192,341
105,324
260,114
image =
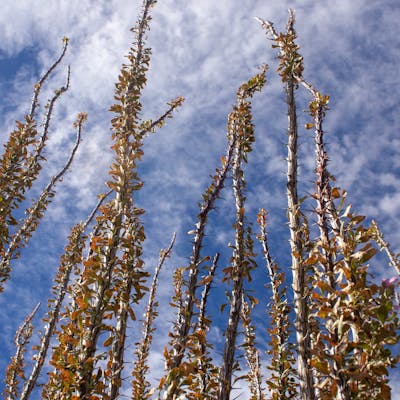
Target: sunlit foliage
x,y
330,333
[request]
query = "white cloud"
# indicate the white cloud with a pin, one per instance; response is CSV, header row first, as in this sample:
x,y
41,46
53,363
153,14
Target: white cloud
x,y
204,51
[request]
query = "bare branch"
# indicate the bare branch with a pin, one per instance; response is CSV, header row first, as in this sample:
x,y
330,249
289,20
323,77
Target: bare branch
x,y
39,84
33,162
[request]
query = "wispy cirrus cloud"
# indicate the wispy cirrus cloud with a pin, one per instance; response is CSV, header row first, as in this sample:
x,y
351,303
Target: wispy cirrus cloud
x,y
204,51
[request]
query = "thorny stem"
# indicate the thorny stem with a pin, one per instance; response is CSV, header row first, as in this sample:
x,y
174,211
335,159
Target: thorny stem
x,y
117,350
251,352
41,81
185,313
125,151
115,267
237,289
139,383
291,65
184,320
16,367
202,326
240,125
205,293
50,107
323,194
281,385
20,166
298,270
159,121
384,245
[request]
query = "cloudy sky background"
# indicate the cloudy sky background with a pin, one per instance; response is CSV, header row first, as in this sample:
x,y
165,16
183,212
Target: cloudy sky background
x,y
202,50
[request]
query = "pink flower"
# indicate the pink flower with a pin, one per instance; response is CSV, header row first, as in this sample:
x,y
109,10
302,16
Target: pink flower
x,y
387,283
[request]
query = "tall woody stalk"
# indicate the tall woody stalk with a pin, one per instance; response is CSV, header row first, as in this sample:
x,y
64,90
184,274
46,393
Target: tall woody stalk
x,y
347,307
204,380
239,125
181,332
281,383
254,376
140,385
290,69
186,300
16,368
35,213
323,195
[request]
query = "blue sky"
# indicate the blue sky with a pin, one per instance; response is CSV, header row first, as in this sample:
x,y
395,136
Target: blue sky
x,y
202,50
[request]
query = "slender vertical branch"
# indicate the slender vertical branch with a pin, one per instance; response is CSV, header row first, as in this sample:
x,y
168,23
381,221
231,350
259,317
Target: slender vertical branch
x,y
281,384
252,354
181,333
385,246
113,277
129,279
342,295
140,384
185,312
237,277
205,377
323,194
33,165
241,126
16,367
206,291
290,67
38,86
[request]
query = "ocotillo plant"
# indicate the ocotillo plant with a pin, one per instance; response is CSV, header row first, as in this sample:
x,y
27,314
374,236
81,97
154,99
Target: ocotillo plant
x,y
240,125
20,166
140,385
240,137
357,317
281,383
328,332
290,70
112,277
